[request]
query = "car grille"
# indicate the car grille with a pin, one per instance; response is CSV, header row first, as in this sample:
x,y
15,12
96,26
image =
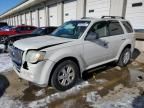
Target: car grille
x,y
16,55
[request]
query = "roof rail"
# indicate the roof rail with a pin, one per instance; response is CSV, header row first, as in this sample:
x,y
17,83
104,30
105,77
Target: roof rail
x,y
114,17
86,17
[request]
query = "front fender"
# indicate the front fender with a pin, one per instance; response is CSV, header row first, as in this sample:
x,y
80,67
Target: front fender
x,y
68,52
58,55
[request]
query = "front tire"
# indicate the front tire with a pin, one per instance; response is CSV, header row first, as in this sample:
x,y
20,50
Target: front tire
x,y
124,57
65,75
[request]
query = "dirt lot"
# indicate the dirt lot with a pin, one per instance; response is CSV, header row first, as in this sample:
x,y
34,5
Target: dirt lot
x,y
107,86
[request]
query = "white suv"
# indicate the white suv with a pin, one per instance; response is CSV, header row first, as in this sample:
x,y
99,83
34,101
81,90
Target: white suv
x,y
61,58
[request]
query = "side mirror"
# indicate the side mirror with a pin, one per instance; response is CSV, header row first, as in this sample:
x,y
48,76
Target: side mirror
x,y
92,36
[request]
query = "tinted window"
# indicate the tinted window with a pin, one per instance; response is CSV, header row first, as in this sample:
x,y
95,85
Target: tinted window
x,y
32,28
50,29
3,24
39,31
28,28
99,29
22,28
127,26
18,29
114,28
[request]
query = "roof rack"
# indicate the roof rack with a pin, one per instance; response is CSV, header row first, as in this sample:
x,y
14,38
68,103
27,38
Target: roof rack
x,y
114,17
86,17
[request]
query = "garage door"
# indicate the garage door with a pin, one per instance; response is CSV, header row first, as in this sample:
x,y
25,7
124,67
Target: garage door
x,y
28,19
10,21
13,20
53,20
16,21
34,16
70,10
19,20
135,13
23,19
42,18
97,8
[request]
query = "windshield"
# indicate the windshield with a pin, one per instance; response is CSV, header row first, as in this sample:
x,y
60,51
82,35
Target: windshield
x,y
71,29
39,31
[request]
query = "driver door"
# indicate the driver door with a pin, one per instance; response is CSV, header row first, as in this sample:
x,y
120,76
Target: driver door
x,y
95,48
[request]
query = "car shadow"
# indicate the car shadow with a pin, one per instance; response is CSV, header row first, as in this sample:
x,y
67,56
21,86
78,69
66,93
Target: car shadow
x,y
89,74
136,53
4,84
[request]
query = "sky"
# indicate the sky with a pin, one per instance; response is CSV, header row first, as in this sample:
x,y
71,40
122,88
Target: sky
x,y
8,4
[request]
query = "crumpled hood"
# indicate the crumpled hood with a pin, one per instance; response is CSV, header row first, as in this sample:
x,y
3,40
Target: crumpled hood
x,y
40,42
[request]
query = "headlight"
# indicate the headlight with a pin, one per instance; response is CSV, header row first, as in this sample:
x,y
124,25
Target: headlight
x,y
35,56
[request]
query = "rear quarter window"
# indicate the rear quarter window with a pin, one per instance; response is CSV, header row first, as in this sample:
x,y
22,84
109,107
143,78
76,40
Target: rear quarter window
x,y
127,26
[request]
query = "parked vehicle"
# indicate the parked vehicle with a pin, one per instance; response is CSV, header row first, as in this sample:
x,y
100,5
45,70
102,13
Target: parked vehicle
x,y
6,28
37,32
139,33
17,30
2,24
73,48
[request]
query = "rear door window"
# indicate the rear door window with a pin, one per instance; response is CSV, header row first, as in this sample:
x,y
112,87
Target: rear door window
x,y
115,28
127,26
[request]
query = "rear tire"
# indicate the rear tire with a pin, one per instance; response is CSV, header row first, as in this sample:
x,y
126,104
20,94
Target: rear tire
x,y
124,57
65,75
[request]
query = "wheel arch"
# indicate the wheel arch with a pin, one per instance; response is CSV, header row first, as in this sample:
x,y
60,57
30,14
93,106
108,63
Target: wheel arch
x,y
127,45
74,59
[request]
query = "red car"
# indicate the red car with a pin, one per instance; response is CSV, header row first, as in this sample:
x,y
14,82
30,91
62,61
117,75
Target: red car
x,y
23,29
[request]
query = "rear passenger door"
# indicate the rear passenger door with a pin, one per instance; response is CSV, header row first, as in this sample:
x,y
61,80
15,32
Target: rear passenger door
x,y
114,39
